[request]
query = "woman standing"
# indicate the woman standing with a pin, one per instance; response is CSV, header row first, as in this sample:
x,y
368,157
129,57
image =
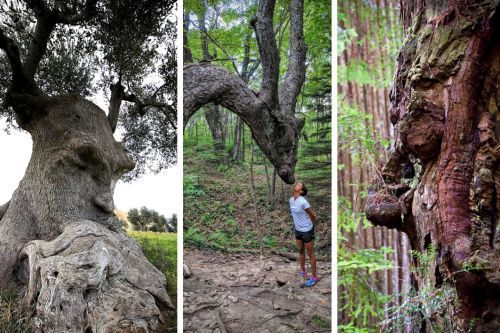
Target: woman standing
x,y
304,219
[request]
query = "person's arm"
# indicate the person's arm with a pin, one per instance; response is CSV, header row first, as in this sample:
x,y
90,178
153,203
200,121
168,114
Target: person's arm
x,y
311,214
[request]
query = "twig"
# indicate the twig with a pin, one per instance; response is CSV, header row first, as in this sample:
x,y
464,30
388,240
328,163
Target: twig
x,y
256,304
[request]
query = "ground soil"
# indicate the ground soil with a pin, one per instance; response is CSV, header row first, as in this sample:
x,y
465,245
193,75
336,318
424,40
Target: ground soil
x,y
250,293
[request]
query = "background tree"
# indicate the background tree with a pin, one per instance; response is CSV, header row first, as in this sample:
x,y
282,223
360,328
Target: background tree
x,y
173,223
374,262
58,234
133,217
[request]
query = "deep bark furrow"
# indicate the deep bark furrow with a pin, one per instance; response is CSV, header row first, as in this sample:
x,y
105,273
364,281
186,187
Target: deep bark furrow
x,y
458,150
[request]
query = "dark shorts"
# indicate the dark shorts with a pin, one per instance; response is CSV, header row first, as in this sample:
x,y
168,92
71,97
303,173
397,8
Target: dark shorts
x,y
306,236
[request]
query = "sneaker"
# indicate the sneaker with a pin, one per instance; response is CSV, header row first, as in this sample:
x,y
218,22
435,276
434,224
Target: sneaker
x,y
312,281
304,275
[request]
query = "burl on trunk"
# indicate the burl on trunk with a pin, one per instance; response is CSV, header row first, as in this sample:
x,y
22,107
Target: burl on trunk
x,y
442,182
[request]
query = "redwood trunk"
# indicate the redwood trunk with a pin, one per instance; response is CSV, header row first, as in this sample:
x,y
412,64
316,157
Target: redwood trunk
x,y
445,108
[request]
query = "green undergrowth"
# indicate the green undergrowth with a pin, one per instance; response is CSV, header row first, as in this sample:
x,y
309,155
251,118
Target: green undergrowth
x,y
321,322
12,318
161,250
221,212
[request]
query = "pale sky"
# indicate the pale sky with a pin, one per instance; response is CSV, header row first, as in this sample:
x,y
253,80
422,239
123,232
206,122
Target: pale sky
x,y
160,192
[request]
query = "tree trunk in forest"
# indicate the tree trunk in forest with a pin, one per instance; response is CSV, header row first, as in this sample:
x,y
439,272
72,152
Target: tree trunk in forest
x,y
59,239
214,119
270,113
235,150
442,182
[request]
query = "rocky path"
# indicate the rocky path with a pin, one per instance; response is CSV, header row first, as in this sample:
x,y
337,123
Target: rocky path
x,y
248,293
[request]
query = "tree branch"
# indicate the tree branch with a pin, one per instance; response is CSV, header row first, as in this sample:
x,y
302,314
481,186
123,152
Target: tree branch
x,y
38,46
269,55
46,22
296,73
118,95
276,135
210,84
115,102
220,47
21,83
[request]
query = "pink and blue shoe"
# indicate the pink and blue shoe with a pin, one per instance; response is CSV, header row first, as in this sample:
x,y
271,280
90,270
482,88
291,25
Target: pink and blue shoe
x,y
312,281
304,275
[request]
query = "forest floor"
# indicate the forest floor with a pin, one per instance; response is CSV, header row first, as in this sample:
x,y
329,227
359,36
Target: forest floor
x,y
250,293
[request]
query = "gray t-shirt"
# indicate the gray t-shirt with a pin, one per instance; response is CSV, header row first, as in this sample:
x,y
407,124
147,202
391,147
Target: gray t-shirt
x,y
301,219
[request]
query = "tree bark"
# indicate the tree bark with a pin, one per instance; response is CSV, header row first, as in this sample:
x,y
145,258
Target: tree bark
x,y
445,105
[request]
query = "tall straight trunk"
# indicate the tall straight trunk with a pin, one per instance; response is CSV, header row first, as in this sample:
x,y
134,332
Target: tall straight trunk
x,y
236,150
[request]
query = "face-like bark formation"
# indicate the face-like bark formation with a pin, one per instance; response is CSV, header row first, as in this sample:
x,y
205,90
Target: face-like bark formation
x,y
445,108
58,235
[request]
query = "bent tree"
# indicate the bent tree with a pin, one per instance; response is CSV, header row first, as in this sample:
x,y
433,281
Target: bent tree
x,y
270,113
441,184
60,243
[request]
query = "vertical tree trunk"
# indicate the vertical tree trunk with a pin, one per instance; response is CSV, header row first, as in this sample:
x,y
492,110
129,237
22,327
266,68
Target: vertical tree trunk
x,y
236,150
445,104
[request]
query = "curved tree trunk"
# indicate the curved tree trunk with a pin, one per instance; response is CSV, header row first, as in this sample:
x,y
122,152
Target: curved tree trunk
x,y
441,184
59,239
270,113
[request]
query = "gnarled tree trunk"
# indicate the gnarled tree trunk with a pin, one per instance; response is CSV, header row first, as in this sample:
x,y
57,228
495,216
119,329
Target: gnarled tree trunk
x,y
442,182
270,113
59,239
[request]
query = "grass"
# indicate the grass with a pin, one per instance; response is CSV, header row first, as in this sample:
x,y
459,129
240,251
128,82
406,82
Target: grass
x,y
161,250
12,318
321,322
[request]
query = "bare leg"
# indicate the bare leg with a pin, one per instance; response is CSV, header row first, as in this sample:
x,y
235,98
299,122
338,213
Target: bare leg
x,y
302,255
310,252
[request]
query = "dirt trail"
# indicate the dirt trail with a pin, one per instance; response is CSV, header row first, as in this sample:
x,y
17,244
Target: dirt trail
x,y
240,293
